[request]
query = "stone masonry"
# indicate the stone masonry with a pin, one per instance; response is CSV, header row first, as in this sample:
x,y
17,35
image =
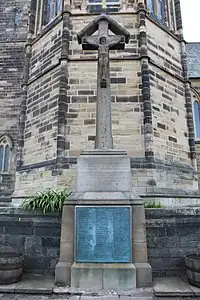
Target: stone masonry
x,y
13,32
151,99
171,234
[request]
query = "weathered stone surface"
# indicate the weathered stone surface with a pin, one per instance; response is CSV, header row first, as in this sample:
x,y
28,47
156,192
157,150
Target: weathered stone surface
x,y
103,276
65,93
103,173
173,287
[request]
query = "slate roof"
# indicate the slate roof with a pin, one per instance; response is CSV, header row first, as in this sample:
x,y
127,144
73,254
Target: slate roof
x,y
193,58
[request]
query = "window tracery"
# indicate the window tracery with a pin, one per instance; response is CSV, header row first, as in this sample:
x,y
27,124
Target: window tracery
x,y
196,110
163,11
47,10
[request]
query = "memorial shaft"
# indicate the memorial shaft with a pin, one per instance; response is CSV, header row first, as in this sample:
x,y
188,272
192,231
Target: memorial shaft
x,y
104,138
103,42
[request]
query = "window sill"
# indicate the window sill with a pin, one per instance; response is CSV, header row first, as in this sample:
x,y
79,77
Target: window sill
x,y
153,19
46,28
5,173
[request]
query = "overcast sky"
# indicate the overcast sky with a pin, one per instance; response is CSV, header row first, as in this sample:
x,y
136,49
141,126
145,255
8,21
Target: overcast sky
x,y
191,20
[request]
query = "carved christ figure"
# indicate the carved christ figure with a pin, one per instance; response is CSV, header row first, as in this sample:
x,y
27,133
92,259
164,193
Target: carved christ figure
x,y
103,61
103,45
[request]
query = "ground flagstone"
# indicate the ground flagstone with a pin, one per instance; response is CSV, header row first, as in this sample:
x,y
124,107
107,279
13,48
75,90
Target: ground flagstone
x,y
172,287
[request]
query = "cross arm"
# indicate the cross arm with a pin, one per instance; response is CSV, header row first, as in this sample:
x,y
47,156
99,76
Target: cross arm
x,y
116,42
90,42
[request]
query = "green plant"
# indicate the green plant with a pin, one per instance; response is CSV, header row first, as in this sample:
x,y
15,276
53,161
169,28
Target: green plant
x,y
48,201
153,204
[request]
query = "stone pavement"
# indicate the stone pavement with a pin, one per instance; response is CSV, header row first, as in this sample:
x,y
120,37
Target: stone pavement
x,y
11,296
67,297
36,287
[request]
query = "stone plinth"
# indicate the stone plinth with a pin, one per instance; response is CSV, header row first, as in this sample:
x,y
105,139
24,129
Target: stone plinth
x,y
113,190
103,276
103,171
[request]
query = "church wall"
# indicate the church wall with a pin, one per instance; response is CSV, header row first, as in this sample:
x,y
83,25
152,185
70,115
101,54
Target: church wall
x,y
46,51
170,127
40,178
163,49
11,70
41,170
14,20
127,115
171,234
13,31
126,20
40,133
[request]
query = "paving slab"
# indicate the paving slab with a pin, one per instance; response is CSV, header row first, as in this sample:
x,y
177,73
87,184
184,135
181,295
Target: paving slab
x,y
106,297
8,288
33,284
140,292
172,287
136,297
81,291
69,290
195,290
29,297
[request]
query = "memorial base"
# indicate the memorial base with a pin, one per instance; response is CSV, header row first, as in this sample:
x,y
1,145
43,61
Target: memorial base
x,y
103,276
103,185
143,275
63,273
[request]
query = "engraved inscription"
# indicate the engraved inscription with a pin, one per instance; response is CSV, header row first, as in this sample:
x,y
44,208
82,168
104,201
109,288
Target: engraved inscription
x,y
103,174
103,234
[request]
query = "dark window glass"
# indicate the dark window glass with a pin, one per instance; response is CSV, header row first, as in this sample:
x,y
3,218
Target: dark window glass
x,y
161,11
1,157
197,119
150,5
6,158
96,6
58,6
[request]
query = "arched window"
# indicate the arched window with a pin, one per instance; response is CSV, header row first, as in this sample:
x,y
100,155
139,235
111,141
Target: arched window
x,y
5,151
197,119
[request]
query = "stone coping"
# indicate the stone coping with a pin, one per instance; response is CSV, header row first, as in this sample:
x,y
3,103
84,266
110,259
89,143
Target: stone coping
x,y
154,212
169,212
162,287
18,211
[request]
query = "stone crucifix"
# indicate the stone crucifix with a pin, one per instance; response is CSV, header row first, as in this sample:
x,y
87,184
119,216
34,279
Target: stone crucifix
x,y
103,42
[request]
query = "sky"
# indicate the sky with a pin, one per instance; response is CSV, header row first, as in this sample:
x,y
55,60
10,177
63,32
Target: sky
x,y
191,20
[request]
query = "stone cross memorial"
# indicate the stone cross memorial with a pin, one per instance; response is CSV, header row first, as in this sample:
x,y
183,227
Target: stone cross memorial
x,y
103,42
103,238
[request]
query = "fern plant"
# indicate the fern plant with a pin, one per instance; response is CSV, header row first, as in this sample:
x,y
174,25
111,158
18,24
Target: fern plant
x,y
50,201
153,204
